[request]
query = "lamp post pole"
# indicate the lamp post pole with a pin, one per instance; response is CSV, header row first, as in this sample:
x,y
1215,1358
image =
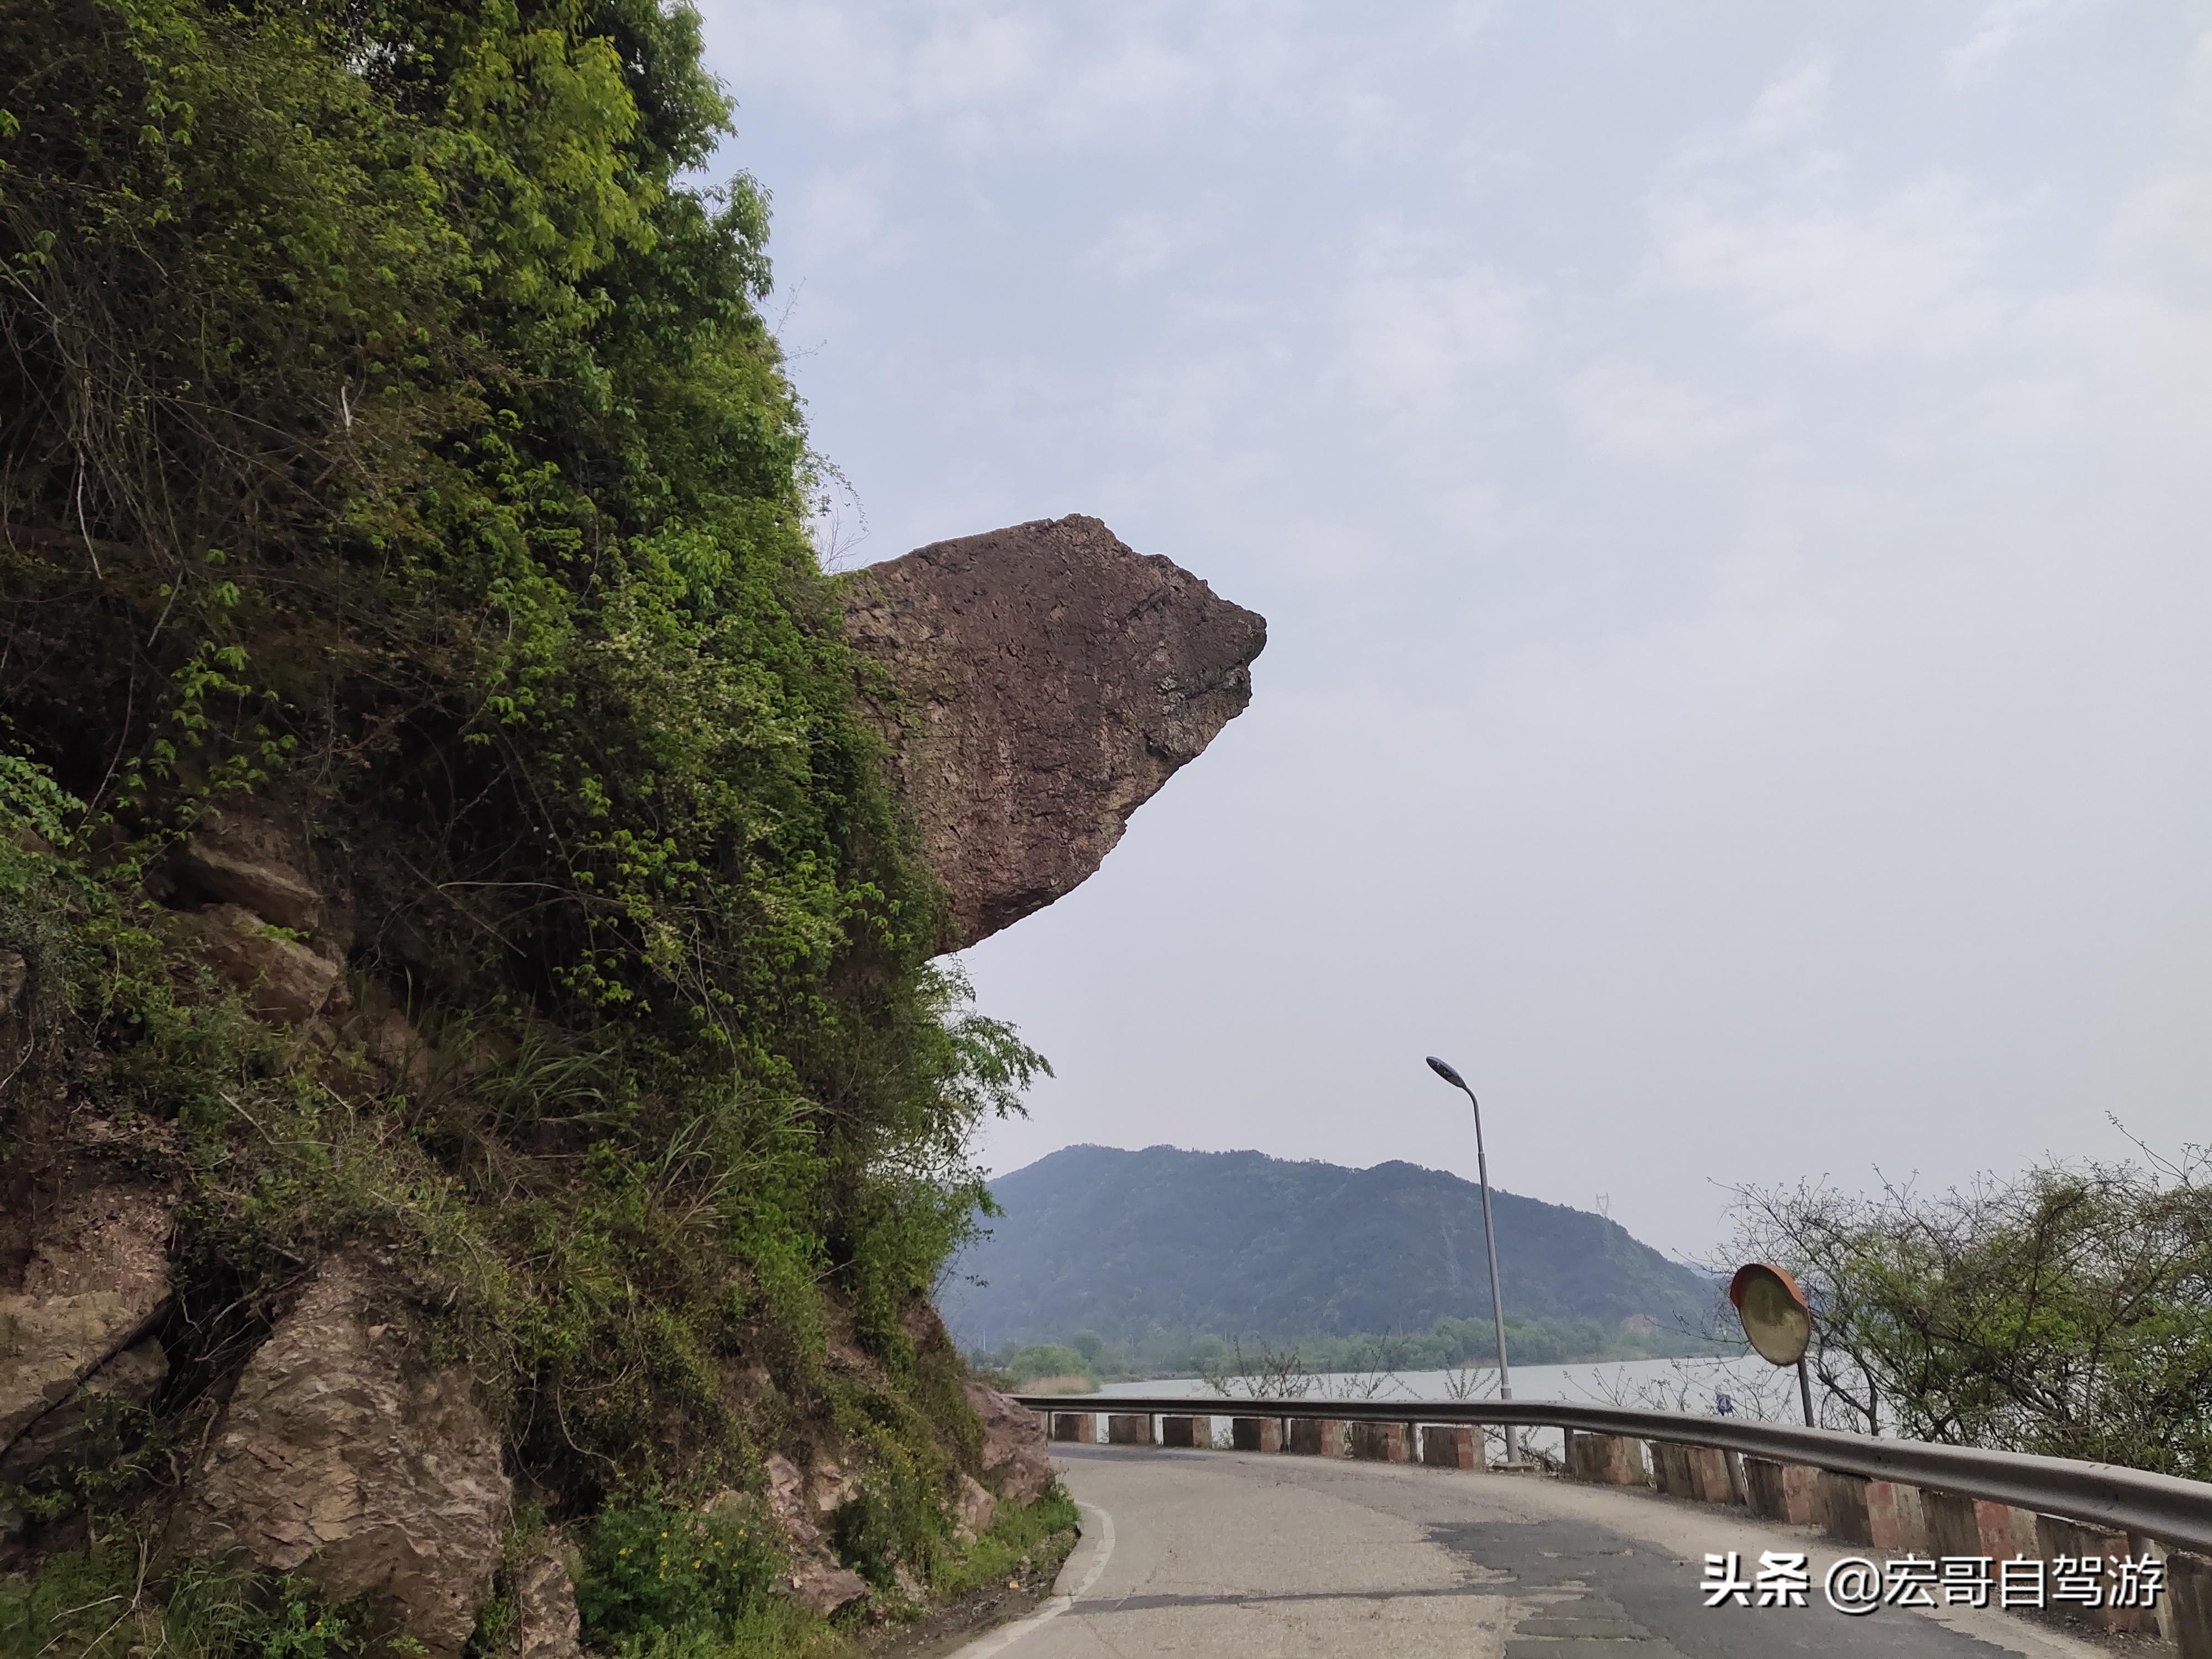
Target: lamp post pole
x,y
1489,1241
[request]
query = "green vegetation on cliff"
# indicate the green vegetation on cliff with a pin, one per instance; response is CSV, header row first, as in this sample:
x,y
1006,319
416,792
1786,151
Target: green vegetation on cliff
x,y
391,445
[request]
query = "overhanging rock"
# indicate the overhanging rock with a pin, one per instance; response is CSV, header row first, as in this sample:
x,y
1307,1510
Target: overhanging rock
x,y
1043,682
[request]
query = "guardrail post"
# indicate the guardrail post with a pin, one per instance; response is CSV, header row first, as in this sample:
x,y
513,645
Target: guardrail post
x,y
1776,1491
2162,1614
1975,1526
1317,1436
1194,1432
1129,1431
1452,1446
1840,1502
1379,1443
1606,1460
2058,1540
2188,1601
1718,1480
1700,1473
1078,1426
1256,1434
1882,1515
1897,1518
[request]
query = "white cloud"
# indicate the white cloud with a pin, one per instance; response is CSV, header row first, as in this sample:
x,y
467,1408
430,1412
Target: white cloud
x,y
1790,105
1911,269
839,212
2160,236
1185,405
1624,408
1788,108
2000,25
1140,245
1417,327
974,73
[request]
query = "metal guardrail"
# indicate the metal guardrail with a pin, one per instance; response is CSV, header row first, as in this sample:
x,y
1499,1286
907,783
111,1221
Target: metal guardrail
x,y
2164,1507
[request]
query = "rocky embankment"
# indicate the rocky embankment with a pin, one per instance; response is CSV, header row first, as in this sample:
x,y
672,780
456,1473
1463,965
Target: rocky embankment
x,y
1036,684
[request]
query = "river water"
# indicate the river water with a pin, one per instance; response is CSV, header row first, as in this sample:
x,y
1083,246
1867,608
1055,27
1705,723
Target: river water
x,y
1748,1385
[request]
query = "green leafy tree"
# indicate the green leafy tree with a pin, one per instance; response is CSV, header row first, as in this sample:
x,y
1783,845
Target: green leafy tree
x,y
2066,1310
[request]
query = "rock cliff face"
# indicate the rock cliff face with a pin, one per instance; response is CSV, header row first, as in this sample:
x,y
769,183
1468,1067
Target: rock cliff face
x,y
1036,685
232,883
1039,684
1013,1444
344,1459
79,1320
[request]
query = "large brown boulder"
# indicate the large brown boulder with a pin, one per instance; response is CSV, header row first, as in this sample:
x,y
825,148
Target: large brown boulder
x,y
1043,682
78,1317
64,1434
973,1508
279,978
251,860
816,1581
1013,1445
243,898
346,1459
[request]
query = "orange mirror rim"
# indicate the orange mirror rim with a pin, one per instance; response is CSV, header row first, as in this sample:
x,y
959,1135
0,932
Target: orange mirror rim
x,y
1750,1270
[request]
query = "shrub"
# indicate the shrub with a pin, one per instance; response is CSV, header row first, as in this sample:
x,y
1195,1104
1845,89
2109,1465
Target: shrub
x,y
651,1566
2064,1310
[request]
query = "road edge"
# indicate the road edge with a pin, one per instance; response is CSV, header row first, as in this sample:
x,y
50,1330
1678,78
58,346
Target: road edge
x,y
1077,1575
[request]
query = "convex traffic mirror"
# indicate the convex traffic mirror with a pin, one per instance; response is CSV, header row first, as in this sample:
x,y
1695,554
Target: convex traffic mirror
x,y
1773,1310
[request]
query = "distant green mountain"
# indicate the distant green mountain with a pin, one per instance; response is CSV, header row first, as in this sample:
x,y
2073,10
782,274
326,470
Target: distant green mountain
x,y
1126,1244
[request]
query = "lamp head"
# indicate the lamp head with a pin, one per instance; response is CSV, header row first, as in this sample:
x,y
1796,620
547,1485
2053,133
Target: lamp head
x,y
1446,1072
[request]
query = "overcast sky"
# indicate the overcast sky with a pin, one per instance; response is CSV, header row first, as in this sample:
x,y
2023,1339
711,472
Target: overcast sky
x,y
1730,489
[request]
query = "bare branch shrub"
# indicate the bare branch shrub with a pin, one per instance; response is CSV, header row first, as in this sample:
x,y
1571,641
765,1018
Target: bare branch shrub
x,y
1267,1373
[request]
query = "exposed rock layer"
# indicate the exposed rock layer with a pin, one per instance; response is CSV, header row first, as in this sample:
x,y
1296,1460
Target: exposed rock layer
x,y
131,1377
816,1580
1013,1445
252,861
1045,680
280,979
79,1320
344,1459
545,1620
975,1508
247,874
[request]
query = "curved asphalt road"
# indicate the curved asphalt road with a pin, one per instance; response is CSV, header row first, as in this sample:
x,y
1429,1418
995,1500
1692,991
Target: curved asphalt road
x,y
1247,1554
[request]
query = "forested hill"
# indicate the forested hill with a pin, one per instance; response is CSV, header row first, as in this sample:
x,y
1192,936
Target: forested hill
x,y
1244,1245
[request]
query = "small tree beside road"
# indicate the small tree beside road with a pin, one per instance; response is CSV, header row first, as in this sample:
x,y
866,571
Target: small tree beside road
x,y
2066,1310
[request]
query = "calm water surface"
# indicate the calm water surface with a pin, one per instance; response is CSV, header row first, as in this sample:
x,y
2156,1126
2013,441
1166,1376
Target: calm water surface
x,y
1751,1387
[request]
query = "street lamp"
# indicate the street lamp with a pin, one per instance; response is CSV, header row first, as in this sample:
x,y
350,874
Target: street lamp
x,y
1490,1238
